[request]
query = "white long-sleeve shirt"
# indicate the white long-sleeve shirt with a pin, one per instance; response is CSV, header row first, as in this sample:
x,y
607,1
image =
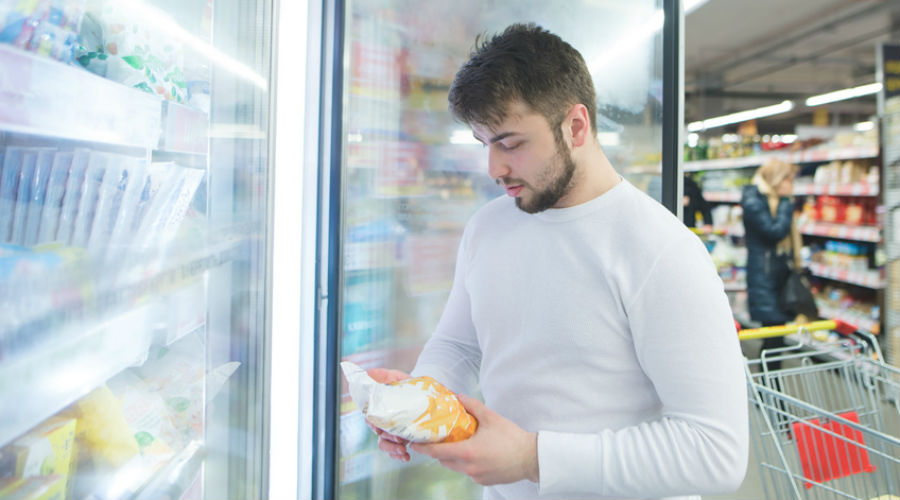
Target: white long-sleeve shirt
x,y
605,328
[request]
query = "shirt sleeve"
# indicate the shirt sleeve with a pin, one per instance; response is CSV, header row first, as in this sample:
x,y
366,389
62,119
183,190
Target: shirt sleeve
x,y
686,343
452,355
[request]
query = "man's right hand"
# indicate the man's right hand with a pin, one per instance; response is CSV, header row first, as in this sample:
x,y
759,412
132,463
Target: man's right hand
x,y
395,446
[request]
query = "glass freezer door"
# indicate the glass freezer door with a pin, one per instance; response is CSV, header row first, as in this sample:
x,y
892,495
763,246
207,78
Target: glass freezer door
x,y
410,176
133,216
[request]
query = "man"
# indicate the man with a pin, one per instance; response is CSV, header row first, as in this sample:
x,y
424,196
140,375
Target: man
x,y
594,321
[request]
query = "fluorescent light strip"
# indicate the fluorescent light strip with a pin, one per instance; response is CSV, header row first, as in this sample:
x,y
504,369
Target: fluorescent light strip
x,y
750,114
840,95
161,22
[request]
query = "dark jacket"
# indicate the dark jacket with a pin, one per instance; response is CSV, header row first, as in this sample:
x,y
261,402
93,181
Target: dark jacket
x,y
766,271
696,203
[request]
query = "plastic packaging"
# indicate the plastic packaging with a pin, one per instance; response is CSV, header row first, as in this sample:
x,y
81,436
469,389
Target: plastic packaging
x,y
23,196
9,181
56,188
72,196
39,183
419,409
87,205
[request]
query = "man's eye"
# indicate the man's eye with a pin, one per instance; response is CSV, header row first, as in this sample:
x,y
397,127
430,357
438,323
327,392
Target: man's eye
x,y
509,147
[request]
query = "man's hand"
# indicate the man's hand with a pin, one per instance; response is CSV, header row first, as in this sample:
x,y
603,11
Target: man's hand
x,y
500,451
395,446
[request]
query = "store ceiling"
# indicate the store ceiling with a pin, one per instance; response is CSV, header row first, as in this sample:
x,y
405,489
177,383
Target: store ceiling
x,y
741,55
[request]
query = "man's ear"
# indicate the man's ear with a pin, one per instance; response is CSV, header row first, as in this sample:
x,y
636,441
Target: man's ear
x,y
577,125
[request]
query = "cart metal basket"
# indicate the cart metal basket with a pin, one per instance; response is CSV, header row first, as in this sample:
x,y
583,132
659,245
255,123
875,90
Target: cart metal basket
x,y
824,424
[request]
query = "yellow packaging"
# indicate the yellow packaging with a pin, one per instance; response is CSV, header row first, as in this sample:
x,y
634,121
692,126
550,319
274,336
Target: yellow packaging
x,y
103,432
419,409
45,450
34,488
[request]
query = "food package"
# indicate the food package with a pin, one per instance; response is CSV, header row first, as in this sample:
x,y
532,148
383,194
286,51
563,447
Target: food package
x,y
34,488
44,451
103,433
418,409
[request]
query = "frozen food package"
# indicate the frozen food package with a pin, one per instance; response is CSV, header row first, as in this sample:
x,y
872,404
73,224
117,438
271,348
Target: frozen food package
x,y
172,191
109,197
42,169
418,409
56,187
93,178
127,52
102,431
72,195
23,196
128,208
9,181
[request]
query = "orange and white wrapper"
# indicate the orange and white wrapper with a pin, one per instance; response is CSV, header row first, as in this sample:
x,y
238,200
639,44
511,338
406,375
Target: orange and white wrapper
x,y
419,409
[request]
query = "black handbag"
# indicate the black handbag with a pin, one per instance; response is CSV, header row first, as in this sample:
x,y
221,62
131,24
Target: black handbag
x,y
796,297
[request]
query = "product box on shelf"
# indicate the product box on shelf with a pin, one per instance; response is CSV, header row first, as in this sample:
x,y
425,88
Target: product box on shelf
x,y
45,450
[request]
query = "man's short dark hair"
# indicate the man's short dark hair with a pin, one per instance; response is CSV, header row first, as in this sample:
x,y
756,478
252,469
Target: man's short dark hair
x,y
524,63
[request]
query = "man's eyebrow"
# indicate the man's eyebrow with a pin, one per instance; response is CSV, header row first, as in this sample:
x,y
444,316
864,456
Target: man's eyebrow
x,y
502,136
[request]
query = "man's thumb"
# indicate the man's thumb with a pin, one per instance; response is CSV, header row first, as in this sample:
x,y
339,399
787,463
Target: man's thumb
x,y
474,406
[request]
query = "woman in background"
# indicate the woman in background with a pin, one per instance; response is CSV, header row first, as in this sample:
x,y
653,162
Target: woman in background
x,y
770,236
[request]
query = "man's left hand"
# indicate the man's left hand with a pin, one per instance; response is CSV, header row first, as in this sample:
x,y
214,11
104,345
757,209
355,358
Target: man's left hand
x,y
500,452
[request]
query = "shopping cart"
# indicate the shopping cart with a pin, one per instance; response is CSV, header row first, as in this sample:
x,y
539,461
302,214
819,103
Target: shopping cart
x,y
826,422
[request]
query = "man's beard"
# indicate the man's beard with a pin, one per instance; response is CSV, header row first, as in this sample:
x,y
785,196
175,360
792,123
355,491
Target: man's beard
x,y
558,177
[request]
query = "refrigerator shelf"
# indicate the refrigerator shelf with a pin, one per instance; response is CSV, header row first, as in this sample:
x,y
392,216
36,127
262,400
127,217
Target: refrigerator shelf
x,y
43,97
177,477
74,364
77,357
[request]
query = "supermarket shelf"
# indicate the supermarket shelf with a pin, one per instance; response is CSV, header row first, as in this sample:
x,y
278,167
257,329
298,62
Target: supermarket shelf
x,y
43,97
734,196
82,355
77,361
735,287
842,231
857,189
723,196
861,323
805,156
868,279
177,476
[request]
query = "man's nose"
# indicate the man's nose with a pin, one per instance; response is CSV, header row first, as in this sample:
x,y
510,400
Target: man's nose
x,y
497,167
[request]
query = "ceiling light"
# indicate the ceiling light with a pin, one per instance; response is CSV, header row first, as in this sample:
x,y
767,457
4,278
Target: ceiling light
x,y
840,95
864,126
750,114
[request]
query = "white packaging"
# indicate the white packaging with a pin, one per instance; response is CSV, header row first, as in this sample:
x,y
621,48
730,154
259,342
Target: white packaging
x,y
39,182
9,180
419,409
72,196
23,196
93,178
109,196
56,188
129,208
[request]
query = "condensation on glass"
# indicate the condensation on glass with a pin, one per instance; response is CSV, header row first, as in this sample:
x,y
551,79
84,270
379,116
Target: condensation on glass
x,y
412,176
133,149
